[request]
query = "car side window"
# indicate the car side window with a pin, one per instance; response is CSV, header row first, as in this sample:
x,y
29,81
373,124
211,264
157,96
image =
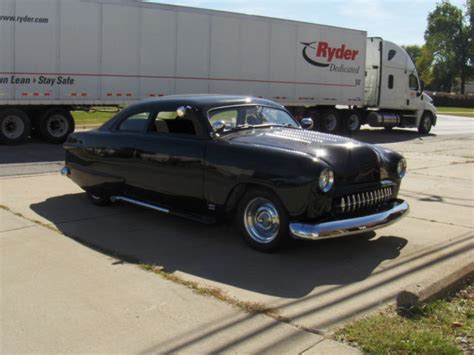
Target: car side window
x,y
135,123
168,122
229,117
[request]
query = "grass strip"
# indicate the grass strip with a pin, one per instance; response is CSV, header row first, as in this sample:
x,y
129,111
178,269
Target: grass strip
x,y
445,326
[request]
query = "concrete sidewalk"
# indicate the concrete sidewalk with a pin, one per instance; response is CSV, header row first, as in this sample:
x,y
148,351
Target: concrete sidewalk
x,y
58,296
316,285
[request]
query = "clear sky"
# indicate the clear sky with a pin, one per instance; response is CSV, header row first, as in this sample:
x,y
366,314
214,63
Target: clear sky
x,y
399,21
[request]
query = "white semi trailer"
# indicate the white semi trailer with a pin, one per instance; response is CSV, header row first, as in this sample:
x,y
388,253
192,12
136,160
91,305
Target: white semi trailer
x,y
62,55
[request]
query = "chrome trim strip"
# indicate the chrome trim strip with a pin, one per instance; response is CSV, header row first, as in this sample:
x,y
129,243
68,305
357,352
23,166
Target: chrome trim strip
x,y
139,203
344,227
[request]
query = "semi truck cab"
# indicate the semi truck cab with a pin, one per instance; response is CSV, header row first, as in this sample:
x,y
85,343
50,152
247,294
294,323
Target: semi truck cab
x,y
393,91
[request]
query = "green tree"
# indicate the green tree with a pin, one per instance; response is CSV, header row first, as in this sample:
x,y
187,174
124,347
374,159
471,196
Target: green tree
x,y
414,51
424,67
449,39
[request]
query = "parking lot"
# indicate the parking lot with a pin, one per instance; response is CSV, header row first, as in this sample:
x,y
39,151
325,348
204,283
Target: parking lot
x,y
89,286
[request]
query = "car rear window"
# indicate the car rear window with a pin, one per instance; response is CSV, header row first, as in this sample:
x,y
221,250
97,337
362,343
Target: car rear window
x,y
135,123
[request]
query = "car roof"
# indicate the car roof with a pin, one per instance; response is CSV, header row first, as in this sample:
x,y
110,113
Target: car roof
x,y
206,101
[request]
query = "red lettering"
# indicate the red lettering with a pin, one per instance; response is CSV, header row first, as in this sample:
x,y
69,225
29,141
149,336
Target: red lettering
x,y
325,51
340,52
322,48
331,51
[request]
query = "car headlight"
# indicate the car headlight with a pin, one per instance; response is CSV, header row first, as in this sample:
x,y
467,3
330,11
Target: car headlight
x,y
326,180
402,168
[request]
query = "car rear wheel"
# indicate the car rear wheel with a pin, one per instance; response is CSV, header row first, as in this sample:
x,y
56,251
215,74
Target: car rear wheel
x,y
99,200
425,123
262,220
56,125
15,127
330,121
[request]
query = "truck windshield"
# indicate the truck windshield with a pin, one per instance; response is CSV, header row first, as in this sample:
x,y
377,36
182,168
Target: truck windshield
x,y
251,116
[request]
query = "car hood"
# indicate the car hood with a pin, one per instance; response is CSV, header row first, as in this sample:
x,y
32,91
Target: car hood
x,y
351,160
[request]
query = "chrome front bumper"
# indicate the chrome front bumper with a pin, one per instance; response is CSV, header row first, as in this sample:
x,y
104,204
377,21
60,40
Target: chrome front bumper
x,y
344,227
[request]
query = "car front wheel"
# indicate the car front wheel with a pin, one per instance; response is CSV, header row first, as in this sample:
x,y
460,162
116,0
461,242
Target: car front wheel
x,y
262,220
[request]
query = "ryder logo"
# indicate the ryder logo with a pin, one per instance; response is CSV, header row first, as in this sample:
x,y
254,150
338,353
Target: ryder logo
x,y
323,53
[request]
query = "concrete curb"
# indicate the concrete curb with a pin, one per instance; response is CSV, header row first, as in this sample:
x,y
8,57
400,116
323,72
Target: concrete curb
x,y
433,288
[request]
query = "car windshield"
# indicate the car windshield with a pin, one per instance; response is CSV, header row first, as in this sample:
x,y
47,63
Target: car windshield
x,y
239,117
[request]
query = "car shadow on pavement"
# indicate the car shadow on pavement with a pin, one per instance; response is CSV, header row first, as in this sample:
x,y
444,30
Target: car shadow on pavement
x,y
381,136
215,252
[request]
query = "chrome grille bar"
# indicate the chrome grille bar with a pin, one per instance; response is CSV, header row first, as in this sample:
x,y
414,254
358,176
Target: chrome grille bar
x,y
372,198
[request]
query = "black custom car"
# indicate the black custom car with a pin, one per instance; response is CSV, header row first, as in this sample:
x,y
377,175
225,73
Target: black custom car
x,y
205,157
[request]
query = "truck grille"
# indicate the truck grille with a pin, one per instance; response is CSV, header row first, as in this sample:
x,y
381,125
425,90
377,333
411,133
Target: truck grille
x,y
362,200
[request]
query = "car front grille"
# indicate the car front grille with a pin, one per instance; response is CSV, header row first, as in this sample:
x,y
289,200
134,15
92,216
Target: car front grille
x,y
363,200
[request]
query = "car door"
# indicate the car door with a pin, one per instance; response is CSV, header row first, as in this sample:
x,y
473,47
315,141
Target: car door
x,y
170,161
112,152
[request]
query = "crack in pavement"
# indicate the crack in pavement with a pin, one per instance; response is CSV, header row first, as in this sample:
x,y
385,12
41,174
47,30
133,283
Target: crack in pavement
x,y
444,177
435,221
19,228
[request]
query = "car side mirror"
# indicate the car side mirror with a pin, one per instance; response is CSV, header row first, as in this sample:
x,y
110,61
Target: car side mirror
x,y
307,123
218,126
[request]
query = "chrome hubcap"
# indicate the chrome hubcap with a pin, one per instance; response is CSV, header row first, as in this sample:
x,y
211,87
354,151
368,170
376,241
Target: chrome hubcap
x,y
13,127
261,220
353,122
57,126
330,123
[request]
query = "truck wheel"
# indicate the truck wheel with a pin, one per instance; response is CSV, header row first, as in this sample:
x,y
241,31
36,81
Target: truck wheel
x,y
425,123
15,126
330,121
56,125
353,121
262,220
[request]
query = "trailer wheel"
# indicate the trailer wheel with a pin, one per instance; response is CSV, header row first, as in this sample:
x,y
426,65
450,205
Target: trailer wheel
x,y
425,123
15,126
330,121
353,121
56,125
